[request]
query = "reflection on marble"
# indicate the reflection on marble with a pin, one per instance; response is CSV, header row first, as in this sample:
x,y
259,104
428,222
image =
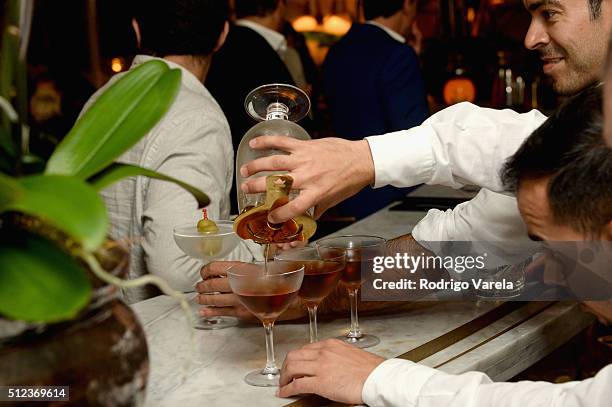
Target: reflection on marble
x,y
509,354
211,369
216,366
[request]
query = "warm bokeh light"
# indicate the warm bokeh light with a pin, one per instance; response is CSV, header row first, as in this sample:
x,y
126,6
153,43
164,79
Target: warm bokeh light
x,y
471,15
336,25
459,90
117,65
305,24
317,51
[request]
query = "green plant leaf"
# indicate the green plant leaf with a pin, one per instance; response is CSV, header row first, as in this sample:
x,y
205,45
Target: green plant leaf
x,y
120,117
119,171
10,191
66,203
38,281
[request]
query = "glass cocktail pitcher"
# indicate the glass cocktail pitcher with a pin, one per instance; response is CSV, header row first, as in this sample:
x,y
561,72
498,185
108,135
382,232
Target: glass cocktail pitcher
x,y
277,107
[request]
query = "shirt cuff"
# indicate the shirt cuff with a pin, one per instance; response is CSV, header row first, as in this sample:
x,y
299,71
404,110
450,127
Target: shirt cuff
x,y
403,158
395,382
436,226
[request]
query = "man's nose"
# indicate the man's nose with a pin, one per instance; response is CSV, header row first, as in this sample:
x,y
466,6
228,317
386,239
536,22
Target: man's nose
x,y
537,35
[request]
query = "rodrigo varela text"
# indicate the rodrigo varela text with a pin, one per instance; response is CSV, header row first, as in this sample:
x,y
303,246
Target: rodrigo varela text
x,y
410,263
454,285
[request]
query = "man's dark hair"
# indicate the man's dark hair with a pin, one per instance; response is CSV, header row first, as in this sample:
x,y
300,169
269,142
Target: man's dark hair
x,y
570,149
594,9
381,8
180,27
259,8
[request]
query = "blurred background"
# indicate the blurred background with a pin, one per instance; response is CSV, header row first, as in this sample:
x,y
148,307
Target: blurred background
x,y
471,50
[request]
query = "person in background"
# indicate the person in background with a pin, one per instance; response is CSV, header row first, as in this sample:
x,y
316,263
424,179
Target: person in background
x,y
373,85
562,176
251,57
192,143
310,82
55,102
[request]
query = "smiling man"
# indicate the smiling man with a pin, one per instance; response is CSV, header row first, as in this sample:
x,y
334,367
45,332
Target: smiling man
x,y
572,57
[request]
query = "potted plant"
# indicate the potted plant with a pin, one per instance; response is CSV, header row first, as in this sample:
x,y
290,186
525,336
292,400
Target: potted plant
x,y
61,319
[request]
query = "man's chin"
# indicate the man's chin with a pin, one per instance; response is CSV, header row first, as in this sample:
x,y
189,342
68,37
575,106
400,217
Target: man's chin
x,y
565,89
570,84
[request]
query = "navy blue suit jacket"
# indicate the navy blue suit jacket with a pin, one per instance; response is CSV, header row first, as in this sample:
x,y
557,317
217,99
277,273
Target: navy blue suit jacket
x,y
373,85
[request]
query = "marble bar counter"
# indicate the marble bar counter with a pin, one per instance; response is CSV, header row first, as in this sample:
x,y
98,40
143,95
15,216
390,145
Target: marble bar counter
x,y
206,368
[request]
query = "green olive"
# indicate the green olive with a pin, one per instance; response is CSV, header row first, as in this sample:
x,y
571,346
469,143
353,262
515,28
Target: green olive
x,y
207,226
211,247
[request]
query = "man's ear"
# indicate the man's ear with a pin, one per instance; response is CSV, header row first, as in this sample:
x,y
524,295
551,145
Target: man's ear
x,y
222,37
136,28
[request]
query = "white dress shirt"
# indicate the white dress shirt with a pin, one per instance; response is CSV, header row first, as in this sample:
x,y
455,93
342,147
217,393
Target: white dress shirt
x,y
465,144
461,145
192,143
397,382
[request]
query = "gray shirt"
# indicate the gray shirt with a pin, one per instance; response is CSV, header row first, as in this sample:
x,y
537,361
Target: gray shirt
x,y
192,143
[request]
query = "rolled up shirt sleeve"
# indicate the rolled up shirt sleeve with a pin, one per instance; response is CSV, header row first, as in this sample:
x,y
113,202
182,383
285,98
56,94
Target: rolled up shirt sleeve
x,y
461,145
398,382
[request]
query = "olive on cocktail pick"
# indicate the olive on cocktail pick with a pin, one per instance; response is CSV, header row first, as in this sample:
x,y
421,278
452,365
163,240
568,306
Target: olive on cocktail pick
x,y
211,245
206,226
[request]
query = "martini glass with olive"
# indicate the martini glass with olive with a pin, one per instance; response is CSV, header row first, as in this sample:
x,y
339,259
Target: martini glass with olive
x,y
208,240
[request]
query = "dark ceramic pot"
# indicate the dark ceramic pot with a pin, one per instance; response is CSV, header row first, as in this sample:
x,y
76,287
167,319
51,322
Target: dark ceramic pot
x,y
101,354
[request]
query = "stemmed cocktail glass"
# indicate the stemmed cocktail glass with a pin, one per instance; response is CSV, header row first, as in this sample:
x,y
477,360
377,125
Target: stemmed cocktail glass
x,y
208,247
266,291
322,269
360,253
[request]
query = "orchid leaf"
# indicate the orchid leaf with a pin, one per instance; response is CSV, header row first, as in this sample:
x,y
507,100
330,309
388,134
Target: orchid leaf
x,y
118,171
117,120
65,203
38,281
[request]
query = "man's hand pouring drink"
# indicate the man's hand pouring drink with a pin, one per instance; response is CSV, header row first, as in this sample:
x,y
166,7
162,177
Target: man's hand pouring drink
x,y
326,172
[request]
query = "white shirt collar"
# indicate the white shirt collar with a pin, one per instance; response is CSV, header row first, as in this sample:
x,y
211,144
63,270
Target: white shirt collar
x,y
276,40
188,79
393,34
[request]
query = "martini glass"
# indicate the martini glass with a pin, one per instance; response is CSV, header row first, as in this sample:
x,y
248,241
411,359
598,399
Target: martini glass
x,y
360,253
322,269
266,291
208,247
